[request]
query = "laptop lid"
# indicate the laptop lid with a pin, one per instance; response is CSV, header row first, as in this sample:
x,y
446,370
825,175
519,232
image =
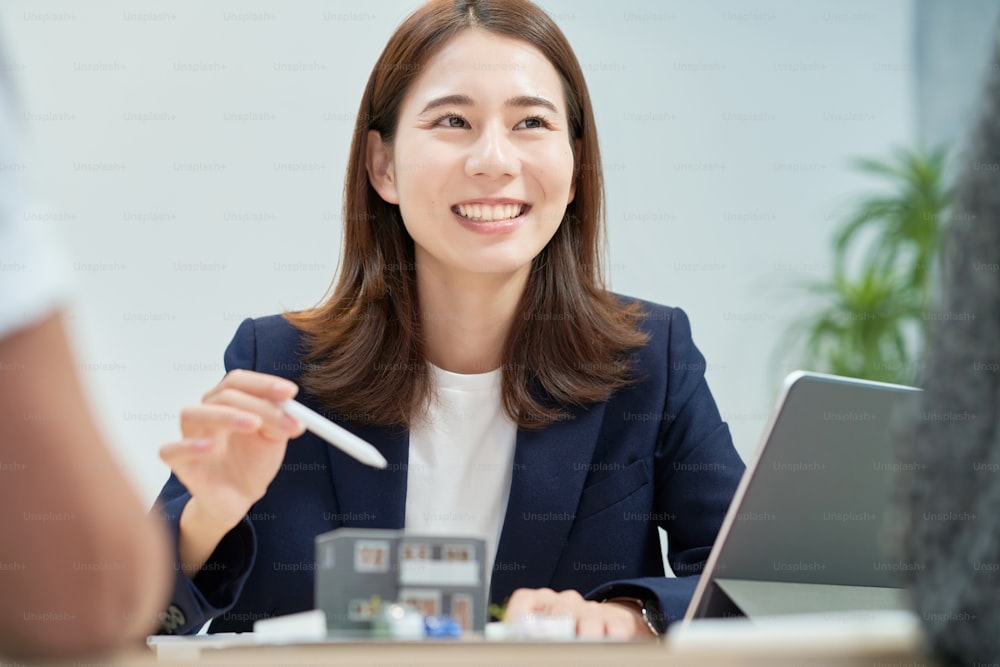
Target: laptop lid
x,y
810,508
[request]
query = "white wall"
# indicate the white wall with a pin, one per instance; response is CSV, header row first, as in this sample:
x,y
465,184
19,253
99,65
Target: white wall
x,y
191,157
954,57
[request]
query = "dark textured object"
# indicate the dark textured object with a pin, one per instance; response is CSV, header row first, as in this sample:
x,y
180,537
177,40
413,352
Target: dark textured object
x,y
949,503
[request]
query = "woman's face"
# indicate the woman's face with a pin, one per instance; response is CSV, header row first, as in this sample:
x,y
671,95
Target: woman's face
x,y
481,164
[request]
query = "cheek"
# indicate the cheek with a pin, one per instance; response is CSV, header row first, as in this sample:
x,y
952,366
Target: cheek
x,y
560,173
421,173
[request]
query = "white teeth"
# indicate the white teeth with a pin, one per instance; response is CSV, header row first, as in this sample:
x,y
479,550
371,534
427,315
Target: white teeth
x,y
487,213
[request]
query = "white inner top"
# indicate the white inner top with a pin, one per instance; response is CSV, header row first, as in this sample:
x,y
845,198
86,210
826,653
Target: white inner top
x,y
459,472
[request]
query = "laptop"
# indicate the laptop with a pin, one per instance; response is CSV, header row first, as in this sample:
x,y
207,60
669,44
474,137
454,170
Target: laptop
x,y
805,531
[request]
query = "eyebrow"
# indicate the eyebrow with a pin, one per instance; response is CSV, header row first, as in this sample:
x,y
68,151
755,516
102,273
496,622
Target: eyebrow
x,y
465,100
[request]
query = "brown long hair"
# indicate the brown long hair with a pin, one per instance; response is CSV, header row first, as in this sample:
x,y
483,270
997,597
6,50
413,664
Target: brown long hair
x,y
570,341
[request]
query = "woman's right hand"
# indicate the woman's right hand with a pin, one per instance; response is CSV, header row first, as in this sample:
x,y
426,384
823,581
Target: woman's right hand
x,y
234,443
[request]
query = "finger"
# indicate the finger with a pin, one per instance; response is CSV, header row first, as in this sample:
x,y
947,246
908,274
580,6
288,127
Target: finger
x,y
275,421
566,603
620,627
204,420
189,449
528,601
590,622
625,621
262,385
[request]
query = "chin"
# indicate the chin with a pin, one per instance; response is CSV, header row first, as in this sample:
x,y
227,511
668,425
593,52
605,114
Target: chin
x,y
499,266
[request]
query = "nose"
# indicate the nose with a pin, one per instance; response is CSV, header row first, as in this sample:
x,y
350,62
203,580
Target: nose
x,y
493,155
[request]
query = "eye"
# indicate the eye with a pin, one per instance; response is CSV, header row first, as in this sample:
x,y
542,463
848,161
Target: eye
x,y
533,123
451,119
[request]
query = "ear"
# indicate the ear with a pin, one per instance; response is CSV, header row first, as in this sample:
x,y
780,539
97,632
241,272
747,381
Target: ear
x,y
576,172
380,170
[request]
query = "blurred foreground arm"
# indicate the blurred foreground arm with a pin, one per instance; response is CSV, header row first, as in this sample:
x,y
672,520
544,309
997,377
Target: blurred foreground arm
x,y
83,569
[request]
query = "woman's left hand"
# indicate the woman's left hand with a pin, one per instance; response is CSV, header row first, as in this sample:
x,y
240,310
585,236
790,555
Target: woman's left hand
x,y
593,619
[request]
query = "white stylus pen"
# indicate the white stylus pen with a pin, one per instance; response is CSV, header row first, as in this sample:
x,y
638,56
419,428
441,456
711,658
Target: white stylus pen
x,y
337,436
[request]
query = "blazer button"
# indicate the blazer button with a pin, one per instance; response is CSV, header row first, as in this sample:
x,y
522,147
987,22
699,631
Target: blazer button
x,y
172,619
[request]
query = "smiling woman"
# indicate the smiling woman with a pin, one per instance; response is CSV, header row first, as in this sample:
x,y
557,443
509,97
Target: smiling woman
x,y
441,124
471,338
488,162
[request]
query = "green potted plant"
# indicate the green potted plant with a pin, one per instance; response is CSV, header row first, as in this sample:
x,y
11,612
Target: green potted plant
x,y
871,314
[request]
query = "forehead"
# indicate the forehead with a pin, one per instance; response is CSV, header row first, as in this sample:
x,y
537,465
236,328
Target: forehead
x,y
483,64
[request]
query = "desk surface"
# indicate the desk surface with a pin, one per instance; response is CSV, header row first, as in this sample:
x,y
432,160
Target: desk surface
x,y
473,654
871,639
497,654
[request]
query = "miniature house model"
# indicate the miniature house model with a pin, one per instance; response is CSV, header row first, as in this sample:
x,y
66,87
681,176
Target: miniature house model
x,y
357,567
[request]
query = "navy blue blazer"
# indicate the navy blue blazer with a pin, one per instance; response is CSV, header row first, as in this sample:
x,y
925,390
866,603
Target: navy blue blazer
x,y
586,497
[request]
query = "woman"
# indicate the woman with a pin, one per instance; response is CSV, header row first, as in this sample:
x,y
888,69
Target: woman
x,y
470,338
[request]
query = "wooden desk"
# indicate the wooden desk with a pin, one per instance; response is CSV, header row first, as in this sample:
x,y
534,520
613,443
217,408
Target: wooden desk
x,y
878,639
492,654
496,654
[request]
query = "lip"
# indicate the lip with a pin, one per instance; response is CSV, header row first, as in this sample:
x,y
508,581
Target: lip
x,y
494,226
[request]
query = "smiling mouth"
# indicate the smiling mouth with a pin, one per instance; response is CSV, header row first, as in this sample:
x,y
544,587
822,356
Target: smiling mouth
x,y
490,212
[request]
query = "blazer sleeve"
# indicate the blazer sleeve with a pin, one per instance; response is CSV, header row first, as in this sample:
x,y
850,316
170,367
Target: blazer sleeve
x,y
217,586
697,470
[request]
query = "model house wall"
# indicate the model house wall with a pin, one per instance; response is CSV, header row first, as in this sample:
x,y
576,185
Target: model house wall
x,y
358,568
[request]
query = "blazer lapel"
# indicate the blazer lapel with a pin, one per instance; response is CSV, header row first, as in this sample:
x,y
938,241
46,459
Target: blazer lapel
x,y
368,497
550,466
